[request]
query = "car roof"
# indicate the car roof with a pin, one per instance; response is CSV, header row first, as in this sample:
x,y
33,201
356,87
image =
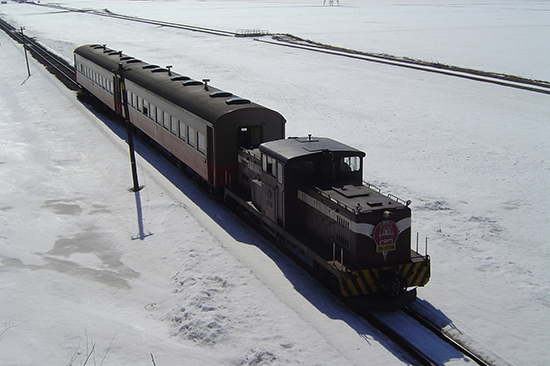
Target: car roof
x,y
296,147
209,103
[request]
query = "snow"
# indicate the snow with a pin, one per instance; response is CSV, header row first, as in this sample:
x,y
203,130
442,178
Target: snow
x,y
201,288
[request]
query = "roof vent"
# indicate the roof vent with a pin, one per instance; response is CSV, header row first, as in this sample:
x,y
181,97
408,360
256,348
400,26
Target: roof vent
x,y
133,61
309,138
150,66
180,78
159,69
220,94
237,100
192,82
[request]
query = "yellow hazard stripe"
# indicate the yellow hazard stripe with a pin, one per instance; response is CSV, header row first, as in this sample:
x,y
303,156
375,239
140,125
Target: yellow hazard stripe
x,y
416,274
370,279
360,282
366,281
352,287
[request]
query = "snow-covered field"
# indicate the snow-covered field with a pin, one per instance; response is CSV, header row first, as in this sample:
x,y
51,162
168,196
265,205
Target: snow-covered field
x,y
203,289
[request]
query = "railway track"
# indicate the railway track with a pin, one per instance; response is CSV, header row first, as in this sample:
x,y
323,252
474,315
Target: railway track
x,y
511,81
55,64
110,14
425,341
430,325
216,32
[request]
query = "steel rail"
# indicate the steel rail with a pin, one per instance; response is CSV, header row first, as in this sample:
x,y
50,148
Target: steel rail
x,y
405,344
487,77
109,14
61,68
384,323
52,61
193,28
425,322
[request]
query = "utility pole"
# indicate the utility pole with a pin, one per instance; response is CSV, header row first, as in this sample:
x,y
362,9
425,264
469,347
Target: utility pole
x,y
124,101
25,48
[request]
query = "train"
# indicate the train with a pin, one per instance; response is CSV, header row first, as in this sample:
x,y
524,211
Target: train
x,y
306,193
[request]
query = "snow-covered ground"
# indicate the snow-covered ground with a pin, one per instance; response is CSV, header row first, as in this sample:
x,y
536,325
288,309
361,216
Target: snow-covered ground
x,y
201,288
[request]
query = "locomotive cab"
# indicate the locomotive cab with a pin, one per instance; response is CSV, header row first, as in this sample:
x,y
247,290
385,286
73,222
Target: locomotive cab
x,y
286,165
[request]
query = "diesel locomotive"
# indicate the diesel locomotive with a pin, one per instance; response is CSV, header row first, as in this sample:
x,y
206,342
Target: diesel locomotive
x,y
307,193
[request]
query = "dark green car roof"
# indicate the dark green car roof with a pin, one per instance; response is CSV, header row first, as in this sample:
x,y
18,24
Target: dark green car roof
x,y
208,103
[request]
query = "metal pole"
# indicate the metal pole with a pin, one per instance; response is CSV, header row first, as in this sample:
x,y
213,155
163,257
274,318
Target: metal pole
x,y
25,48
426,248
132,157
126,116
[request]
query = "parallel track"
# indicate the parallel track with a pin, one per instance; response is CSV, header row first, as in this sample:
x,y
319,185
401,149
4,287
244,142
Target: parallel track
x,y
193,28
109,14
455,71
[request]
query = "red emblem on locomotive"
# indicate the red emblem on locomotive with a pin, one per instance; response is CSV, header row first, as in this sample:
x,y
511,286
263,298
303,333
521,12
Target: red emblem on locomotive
x,y
385,236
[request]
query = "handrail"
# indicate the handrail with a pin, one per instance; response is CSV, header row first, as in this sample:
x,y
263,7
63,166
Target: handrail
x,y
353,209
389,195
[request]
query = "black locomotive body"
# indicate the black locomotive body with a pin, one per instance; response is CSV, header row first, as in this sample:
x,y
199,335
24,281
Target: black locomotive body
x,y
309,193
306,192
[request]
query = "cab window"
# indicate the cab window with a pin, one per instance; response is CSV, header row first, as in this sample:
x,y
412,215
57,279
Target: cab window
x,y
350,164
268,164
